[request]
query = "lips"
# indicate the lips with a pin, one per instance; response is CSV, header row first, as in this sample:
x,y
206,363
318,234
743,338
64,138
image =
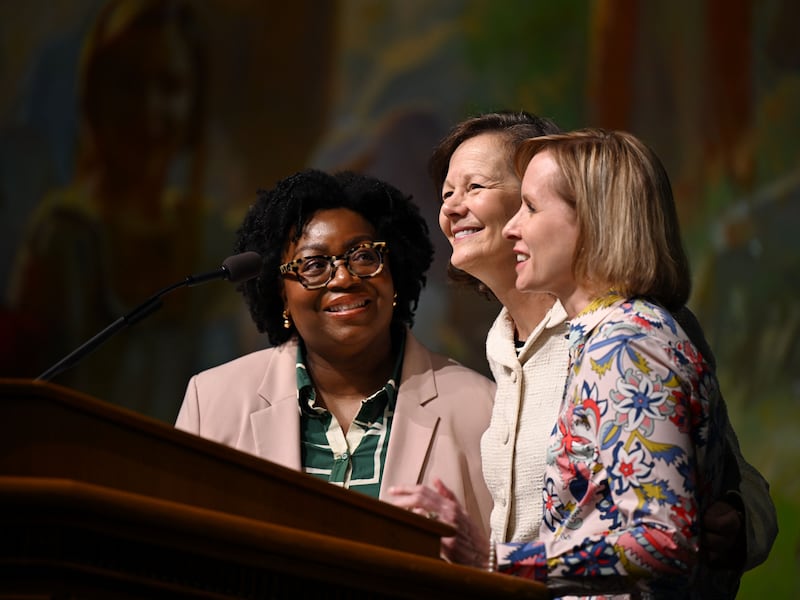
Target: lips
x,y
345,306
520,255
460,233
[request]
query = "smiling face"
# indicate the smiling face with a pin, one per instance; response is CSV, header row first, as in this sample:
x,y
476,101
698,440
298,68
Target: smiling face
x,y
545,233
350,314
479,195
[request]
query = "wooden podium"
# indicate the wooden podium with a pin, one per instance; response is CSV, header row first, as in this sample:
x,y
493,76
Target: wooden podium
x,y
100,502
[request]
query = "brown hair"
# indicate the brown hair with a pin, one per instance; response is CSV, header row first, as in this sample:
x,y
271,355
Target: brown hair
x,y
514,128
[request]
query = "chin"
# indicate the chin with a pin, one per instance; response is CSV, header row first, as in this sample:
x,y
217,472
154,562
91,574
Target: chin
x,y
466,261
524,284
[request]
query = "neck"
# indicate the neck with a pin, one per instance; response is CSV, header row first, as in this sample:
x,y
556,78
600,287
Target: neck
x,y
527,309
582,299
338,375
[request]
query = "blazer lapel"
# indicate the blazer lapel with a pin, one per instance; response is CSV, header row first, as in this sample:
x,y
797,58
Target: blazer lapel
x,y
276,428
414,426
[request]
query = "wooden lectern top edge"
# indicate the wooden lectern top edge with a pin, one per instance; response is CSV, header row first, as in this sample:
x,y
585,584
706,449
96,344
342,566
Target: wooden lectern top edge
x,y
122,513
165,433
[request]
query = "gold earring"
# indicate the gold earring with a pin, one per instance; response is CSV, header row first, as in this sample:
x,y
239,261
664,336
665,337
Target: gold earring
x,y
287,324
394,300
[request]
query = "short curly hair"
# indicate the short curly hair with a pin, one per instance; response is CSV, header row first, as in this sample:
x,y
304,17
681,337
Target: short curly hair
x,y
515,127
279,217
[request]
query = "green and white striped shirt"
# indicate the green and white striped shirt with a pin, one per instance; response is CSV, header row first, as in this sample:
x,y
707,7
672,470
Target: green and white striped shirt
x,y
354,461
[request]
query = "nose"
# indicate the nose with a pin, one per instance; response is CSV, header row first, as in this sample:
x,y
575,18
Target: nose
x,y
342,277
453,205
510,229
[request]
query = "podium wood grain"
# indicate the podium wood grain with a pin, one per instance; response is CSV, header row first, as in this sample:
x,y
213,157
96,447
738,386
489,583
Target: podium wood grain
x,y
99,502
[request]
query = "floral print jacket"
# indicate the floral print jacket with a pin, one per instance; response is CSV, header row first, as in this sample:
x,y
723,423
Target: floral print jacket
x,y
634,458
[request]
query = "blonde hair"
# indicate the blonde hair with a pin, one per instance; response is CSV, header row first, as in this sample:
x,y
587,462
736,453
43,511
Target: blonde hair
x,y
628,232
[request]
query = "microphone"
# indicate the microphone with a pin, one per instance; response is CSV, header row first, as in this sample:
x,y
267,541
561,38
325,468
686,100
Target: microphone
x,y
237,268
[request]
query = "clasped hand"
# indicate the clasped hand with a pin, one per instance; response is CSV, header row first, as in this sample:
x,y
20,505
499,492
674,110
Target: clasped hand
x,y
469,546
721,539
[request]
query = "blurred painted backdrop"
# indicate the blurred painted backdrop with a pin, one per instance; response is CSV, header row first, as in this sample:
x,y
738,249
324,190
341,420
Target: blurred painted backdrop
x,y
130,147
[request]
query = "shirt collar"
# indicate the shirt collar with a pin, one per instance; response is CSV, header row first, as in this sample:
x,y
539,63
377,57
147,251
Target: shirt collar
x,y
590,317
307,394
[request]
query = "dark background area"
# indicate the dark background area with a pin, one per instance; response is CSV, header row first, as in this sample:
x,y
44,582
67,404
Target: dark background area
x,y
224,98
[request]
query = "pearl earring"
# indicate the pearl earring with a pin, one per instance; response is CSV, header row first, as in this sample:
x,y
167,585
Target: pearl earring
x,y
287,324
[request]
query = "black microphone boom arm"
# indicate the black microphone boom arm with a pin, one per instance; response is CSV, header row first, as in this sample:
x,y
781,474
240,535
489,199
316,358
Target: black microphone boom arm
x,y
236,268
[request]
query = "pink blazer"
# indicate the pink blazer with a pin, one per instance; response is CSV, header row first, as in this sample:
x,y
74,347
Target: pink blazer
x,y
442,410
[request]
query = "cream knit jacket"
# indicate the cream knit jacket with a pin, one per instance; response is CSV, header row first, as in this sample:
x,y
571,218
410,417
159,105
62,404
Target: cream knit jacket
x,y
513,448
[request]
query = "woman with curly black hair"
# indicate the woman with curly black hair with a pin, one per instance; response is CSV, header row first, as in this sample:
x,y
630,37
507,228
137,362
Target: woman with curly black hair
x,y
279,218
346,393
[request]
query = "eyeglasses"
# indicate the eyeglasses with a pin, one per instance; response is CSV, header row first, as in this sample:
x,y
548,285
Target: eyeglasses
x,y
314,272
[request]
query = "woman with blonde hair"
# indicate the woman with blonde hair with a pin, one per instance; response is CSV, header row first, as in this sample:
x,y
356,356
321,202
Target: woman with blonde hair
x,y
638,450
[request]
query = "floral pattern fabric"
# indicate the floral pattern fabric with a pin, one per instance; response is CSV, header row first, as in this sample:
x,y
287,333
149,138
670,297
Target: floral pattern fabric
x,y
634,458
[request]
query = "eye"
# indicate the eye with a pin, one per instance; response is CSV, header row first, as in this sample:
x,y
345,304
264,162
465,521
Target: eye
x,y
313,265
475,186
529,205
446,195
365,257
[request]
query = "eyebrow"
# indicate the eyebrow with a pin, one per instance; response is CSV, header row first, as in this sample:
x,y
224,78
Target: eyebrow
x,y
321,249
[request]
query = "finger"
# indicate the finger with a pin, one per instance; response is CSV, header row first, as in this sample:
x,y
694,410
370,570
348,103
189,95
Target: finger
x,y
402,502
402,490
443,490
462,552
404,499
409,496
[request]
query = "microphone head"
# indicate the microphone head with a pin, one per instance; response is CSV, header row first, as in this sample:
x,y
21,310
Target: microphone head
x,y
242,267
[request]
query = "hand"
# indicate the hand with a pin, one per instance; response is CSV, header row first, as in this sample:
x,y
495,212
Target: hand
x,y
469,546
723,534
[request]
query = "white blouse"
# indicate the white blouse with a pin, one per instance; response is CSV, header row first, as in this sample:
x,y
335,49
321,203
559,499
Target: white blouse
x,y
513,447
